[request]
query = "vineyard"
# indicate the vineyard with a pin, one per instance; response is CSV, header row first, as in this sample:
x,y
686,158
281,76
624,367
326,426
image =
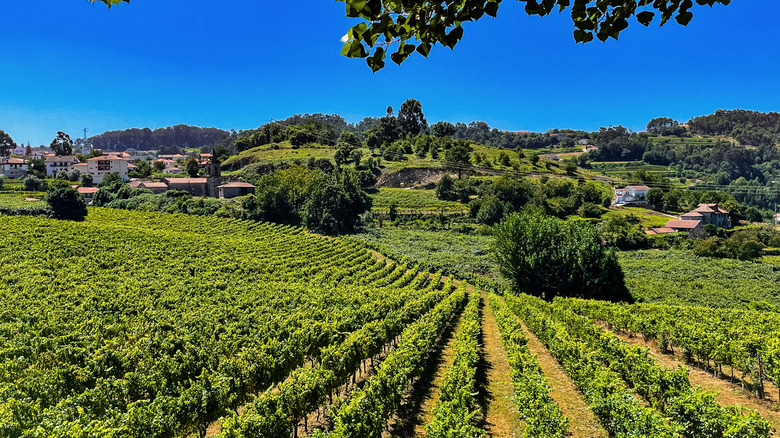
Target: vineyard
x,y
134,324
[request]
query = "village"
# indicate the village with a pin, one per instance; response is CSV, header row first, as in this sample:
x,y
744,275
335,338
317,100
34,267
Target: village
x,y
208,182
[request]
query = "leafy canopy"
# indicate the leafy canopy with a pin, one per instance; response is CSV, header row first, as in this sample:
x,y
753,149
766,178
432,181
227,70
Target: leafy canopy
x,y
416,25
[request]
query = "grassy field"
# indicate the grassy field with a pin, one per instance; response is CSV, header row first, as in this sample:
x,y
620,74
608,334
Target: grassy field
x,y
412,200
647,218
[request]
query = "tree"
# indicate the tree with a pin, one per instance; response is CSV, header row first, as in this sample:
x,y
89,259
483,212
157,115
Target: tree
x,y
418,26
458,157
547,257
110,180
411,119
443,129
65,201
86,179
7,144
445,188
335,205
32,183
191,167
62,145
27,150
345,146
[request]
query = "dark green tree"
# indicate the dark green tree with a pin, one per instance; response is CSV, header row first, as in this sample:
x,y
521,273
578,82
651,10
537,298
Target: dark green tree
x,y
62,145
346,145
336,203
443,129
65,201
191,167
411,119
86,179
458,157
7,144
543,256
445,188
110,179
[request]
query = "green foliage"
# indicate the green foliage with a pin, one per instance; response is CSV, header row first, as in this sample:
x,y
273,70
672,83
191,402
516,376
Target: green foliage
x,y
210,318
65,201
548,257
62,144
335,205
110,180
191,167
538,410
455,414
411,119
33,184
418,26
7,144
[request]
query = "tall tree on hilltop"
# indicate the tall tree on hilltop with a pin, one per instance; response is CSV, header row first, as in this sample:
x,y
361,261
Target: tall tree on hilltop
x,y
411,119
7,144
62,144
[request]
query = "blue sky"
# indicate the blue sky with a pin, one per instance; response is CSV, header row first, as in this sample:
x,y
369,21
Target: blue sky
x,y
68,65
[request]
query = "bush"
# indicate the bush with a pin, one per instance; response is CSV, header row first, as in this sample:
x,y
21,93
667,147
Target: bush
x,y
33,184
543,256
65,201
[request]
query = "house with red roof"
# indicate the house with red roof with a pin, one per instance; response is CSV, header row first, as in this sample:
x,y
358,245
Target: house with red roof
x,y
709,214
13,167
101,166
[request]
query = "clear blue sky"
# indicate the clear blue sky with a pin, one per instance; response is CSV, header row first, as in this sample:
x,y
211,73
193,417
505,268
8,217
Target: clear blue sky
x,y
68,65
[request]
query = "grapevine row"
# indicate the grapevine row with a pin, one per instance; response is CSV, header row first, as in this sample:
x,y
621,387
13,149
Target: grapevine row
x,y
542,416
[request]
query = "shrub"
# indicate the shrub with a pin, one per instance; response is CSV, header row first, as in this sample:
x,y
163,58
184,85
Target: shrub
x,y
65,201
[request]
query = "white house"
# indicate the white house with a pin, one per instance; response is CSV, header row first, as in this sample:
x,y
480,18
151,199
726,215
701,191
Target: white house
x,y
55,164
13,167
19,150
631,194
101,166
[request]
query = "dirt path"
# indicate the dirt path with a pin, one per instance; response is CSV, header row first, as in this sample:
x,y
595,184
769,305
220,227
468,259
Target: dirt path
x,y
417,408
728,393
501,416
582,421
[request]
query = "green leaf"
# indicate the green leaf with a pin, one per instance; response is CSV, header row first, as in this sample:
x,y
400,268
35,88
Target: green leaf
x,y
491,9
452,38
645,18
353,49
684,18
354,7
424,49
583,36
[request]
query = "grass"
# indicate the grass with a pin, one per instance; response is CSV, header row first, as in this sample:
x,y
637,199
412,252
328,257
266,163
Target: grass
x,y
406,200
647,218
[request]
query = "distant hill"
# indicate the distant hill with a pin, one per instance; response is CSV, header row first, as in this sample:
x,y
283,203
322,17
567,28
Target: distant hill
x,y
179,136
747,127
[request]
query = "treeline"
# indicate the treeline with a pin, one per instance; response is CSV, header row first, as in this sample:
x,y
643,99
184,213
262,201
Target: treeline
x,y
747,127
497,199
170,139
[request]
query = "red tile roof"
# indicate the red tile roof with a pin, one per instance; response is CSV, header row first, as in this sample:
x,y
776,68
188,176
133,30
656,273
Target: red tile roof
x,y
682,224
187,181
693,214
84,190
106,158
664,230
237,184
638,187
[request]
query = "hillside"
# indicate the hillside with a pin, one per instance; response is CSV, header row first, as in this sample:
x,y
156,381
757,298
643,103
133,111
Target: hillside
x,y
238,329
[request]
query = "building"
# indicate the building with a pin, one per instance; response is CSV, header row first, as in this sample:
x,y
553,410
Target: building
x,y
101,166
630,194
709,214
692,227
235,189
13,167
88,193
55,164
19,150
194,186
154,187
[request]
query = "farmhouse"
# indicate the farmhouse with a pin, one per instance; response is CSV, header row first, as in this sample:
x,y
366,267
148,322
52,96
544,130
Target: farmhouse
x,y
709,214
154,187
631,194
694,228
13,167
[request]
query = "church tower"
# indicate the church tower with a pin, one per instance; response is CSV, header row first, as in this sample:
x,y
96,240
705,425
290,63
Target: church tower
x,y
213,176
